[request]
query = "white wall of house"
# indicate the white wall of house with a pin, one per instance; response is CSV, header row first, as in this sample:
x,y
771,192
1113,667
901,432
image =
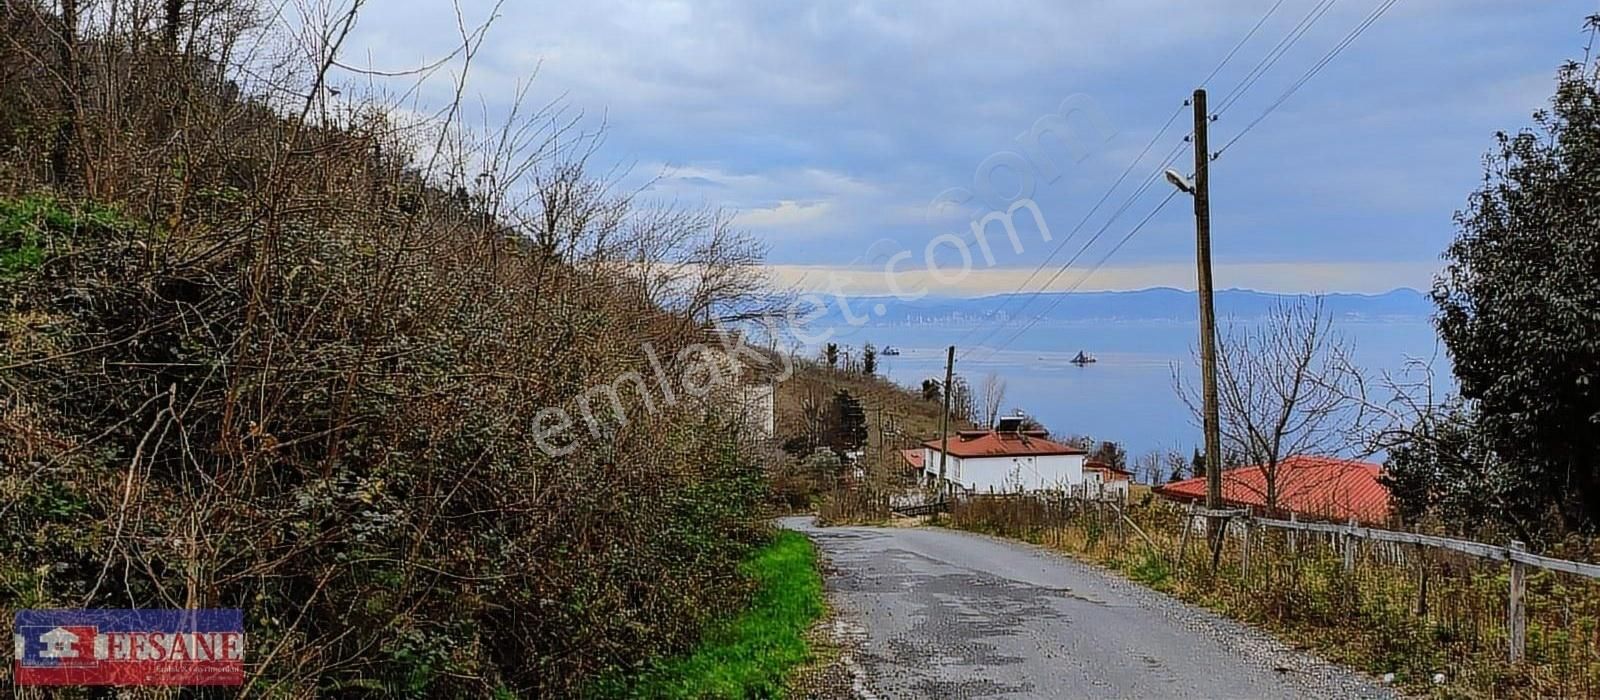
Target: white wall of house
x,y
1096,485
1028,473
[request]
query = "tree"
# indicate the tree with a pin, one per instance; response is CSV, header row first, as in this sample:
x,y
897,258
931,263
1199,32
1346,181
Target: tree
x,y
1147,468
846,423
1443,470
1029,423
1518,299
1110,453
830,354
962,405
1285,387
869,359
174,19
67,128
931,390
1197,463
993,396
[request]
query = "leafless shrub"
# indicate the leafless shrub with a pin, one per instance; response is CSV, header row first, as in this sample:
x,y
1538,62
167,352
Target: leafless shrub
x,y
286,350
1285,386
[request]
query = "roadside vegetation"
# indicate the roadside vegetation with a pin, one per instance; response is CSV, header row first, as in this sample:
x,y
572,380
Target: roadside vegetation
x,y
831,409
754,654
1410,612
289,349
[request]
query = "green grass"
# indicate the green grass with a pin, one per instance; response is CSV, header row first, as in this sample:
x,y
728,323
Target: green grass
x,y
750,655
28,225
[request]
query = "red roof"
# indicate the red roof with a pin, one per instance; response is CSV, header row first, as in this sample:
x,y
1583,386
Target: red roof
x,y
967,444
1324,488
913,457
1102,466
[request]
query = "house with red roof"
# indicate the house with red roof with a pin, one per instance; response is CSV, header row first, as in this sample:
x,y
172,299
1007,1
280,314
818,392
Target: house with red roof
x,y
1311,488
1104,480
913,459
1005,459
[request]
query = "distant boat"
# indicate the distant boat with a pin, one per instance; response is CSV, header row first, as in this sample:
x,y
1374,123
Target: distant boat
x,y
1083,358
891,351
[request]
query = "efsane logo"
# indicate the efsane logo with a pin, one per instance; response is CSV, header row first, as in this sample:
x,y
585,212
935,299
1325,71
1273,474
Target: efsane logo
x,y
129,647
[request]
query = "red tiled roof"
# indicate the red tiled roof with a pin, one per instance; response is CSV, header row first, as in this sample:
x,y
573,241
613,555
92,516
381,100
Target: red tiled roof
x,y
913,457
1315,487
992,444
1102,466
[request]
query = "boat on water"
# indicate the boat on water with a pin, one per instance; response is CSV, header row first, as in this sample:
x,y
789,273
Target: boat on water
x,y
1083,358
891,351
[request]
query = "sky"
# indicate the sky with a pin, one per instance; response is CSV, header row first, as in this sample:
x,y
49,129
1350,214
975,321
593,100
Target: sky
x,y
841,133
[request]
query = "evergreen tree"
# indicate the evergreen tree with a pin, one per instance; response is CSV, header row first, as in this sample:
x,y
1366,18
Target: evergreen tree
x,y
1517,303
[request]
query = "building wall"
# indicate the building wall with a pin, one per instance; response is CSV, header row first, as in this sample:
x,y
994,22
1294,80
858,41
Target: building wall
x,y
1000,474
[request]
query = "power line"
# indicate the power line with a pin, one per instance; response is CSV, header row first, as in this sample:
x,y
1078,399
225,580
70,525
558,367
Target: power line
x,y
1316,68
1081,222
1273,56
1171,155
1241,43
1100,263
1118,183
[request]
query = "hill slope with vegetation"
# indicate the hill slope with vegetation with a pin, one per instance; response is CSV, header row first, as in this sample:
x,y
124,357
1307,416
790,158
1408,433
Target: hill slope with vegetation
x,y
269,349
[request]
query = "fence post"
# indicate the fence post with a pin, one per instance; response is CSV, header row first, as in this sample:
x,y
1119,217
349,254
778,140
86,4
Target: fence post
x,y
1422,581
1294,537
1350,546
1244,551
1183,539
1516,614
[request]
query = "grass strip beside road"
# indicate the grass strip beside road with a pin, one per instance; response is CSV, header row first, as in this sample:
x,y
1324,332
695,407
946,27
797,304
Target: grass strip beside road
x,y
751,655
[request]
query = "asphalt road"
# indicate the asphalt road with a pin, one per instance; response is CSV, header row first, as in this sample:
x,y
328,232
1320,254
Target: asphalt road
x,y
935,613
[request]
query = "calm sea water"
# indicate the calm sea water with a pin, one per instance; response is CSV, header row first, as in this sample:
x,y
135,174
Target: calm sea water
x,y
1128,395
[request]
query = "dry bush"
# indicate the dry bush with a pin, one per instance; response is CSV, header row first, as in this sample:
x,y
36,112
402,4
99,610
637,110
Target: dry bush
x,y
1402,609
271,350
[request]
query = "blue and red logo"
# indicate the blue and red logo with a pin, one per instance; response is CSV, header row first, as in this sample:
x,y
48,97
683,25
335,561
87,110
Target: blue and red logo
x,y
129,647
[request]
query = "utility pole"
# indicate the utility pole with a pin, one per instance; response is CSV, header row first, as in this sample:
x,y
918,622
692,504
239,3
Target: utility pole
x,y
944,418
1208,317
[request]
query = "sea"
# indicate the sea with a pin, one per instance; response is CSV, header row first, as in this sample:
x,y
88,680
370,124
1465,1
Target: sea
x,y
1128,395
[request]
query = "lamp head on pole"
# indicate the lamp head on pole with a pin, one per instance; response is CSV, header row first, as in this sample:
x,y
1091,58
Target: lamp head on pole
x,y
1179,181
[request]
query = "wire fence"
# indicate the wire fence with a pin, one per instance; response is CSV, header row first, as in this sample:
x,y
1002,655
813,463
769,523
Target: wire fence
x,y
1481,617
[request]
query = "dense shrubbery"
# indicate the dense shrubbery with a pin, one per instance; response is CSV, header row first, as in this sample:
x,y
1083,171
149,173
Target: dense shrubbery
x,y
252,358
1517,312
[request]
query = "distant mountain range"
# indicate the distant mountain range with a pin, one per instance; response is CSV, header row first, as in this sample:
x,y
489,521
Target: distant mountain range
x,y
1156,304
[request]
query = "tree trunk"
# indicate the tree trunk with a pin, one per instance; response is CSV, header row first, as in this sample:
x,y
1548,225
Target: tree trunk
x,y
67,123
173,19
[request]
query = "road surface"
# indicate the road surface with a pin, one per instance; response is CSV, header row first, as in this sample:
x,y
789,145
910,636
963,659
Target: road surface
x,y
935,613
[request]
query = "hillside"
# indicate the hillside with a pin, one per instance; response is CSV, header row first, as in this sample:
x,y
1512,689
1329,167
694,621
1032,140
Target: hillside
x,y
901,411
297,356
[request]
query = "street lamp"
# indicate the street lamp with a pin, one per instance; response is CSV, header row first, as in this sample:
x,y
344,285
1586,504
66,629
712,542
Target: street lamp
x,y
1182,183
1200,189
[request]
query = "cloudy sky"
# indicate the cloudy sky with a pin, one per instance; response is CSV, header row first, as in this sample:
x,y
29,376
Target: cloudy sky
x,y
841,132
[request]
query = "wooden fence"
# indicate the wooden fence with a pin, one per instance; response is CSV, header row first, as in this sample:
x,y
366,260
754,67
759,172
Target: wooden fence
x,y
1515,554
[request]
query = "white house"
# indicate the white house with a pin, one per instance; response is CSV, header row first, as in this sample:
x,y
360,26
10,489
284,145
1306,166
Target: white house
x,y
1101,480
1005,459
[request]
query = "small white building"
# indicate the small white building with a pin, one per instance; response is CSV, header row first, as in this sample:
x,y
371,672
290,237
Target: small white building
x,y
1101,480
1006,459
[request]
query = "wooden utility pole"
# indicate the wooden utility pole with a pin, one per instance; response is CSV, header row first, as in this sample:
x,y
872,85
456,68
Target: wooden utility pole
x,y
944,417
1208,317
